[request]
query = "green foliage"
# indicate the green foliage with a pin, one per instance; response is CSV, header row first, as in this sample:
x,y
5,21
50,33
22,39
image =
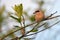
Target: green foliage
x,y
26,39
32,18
2,9
1,19
41,3
25,13
46,25
16,26
18,9
1,12
13,17
18,19
19,12
35,30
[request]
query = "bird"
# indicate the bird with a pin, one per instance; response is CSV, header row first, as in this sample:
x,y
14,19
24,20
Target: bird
x,y
39,15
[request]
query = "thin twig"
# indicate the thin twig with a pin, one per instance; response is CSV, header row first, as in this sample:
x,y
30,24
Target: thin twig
x,y
41,25
33,28
23,20
30,31
53,17
23,30
44,29
52,14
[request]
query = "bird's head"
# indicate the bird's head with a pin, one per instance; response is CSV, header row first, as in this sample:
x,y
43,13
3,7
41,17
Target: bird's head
x,y
36,11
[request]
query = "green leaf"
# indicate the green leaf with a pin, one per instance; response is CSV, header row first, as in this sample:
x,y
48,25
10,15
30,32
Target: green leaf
x,y
25,13
16,26
1,19
13,17
32,18
2,9
26,39
41,3
21,9
18,19
18,9
35,30
46,25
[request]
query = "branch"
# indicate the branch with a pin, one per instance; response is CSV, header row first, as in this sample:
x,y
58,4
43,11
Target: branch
x,y
23,20
52,14
45,28
53,17
23,30
38,31
30,31
27,26
17,30
27,32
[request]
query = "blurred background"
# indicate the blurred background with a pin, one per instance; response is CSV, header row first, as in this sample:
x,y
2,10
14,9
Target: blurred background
x,y
29,6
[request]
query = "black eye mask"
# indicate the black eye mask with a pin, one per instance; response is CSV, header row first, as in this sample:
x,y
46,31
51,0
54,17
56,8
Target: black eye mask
x,y
36,11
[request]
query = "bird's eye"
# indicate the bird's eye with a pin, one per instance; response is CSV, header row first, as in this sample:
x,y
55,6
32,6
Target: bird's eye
x,y
37,11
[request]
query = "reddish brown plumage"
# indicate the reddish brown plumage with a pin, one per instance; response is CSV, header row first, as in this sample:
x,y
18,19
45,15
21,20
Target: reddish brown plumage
x,y
39,15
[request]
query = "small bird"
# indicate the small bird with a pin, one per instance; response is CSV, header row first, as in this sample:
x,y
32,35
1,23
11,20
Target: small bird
x,y
39,15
